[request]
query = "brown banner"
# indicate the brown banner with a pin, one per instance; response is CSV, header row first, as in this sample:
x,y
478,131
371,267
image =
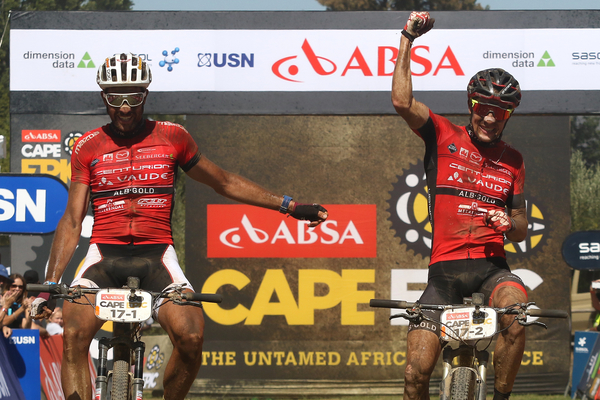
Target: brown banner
x,y
296,317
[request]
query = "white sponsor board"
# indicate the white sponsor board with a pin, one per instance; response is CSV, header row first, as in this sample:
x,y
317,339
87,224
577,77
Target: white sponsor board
x,y
305,60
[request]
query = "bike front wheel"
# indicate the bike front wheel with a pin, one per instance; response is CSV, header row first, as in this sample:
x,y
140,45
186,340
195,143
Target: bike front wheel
x,y
120,381
463,384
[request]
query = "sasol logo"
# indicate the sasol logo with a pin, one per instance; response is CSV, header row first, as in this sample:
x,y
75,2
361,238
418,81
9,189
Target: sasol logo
x,y
246,231
589,248
21,340
232,60
288,67
44,136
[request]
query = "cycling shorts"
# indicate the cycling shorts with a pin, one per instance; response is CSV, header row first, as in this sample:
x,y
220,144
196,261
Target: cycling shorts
x,y
449,282
109,265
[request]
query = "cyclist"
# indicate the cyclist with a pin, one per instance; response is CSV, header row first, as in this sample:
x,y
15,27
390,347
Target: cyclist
x,y
475,183
126,170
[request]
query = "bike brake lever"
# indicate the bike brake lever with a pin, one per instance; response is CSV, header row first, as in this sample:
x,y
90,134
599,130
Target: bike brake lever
x,y
525,323
409,317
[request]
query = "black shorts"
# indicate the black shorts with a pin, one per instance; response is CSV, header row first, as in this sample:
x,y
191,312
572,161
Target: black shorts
x,y
451,281
109,265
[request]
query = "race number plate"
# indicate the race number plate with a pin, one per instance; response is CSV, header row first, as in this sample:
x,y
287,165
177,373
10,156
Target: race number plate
x,y
467,324
120,305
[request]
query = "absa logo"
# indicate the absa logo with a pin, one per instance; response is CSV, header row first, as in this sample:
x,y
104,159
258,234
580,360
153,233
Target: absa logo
x,y
248,232
287,68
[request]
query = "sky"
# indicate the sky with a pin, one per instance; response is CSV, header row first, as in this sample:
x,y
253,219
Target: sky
x,y
313,5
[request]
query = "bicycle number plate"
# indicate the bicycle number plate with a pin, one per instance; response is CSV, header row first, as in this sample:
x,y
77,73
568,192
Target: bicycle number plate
x,y
467,324
120,305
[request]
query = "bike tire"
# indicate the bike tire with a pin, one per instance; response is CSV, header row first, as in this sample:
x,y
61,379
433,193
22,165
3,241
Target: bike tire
x,y
120,381
462,385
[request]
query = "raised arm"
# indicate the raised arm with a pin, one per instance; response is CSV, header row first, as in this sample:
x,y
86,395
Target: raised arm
x,y
414,113
240,189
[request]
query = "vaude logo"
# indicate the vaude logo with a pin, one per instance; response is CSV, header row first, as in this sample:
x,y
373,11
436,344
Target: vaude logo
x,y
330,234
288,67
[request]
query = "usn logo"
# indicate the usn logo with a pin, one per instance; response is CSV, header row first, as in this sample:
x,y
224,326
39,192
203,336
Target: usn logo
x,y
232,60
410,218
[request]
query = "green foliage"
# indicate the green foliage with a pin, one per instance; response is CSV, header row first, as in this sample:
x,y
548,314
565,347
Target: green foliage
x,y
585,138
401,5
37,5
585,194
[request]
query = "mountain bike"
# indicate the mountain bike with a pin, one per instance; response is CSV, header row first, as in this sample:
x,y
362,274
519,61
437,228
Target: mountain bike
x,y
127,307
469,329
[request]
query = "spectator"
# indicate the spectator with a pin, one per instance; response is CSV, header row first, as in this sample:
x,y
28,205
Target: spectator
x,y
595,292
5,282
55,323
16,304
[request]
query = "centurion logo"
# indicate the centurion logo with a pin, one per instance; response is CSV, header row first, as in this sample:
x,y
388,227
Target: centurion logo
x,y
246,231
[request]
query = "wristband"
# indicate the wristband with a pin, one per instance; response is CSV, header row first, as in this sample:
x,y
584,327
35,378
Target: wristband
x,y
407,35
285,204
5,310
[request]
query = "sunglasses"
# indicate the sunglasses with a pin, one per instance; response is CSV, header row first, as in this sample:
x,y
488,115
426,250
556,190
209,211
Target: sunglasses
x,y
117,99
483,109
13,286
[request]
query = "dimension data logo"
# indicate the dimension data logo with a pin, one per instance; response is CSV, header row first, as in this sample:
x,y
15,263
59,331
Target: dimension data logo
x,y
410,218
546,61
521,59
86,61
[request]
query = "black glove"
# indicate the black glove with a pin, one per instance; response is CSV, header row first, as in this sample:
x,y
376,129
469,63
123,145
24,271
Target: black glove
x,y
308,212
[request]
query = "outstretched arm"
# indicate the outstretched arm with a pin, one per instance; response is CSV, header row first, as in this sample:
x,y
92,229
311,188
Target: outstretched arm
x,y
240,189
414,113
68,231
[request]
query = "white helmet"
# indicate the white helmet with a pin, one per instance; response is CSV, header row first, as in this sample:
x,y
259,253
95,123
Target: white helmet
x,y
125,69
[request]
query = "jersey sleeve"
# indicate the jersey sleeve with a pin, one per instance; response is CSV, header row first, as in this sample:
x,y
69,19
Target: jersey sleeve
x,y
188,153
517,199
80,159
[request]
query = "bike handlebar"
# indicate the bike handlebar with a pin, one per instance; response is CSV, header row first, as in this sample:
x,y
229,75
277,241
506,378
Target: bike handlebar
x,y
206,297
534,312
63,291
390,303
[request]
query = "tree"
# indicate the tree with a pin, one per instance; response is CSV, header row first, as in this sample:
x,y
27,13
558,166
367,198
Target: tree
x,y
37,5
400,5
6,7
585,138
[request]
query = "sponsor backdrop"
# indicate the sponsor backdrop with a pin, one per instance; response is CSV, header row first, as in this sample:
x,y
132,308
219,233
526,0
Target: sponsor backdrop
x,y
296,300
294,62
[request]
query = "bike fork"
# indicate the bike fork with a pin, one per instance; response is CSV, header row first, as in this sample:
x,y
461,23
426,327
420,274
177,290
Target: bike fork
x,y
102,371
138,373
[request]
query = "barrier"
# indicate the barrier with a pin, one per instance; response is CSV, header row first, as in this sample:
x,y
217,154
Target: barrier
x,y
10,388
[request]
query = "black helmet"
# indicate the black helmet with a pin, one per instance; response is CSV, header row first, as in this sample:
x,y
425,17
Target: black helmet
x,y
497,84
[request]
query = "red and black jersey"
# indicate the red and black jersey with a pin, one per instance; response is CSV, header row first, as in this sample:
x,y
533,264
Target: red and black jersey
x,y
132,180
464,179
